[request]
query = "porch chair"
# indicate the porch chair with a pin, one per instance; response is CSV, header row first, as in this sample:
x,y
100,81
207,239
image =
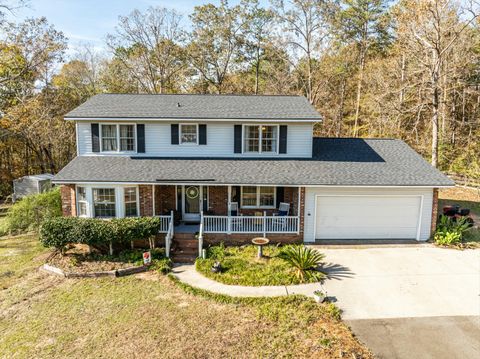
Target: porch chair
x,y
283,211
233,212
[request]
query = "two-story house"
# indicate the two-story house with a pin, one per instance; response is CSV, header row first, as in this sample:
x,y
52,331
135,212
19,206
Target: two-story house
x,y
241,166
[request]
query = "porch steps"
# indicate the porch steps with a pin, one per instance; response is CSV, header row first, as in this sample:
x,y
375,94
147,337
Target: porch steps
x,y
185,248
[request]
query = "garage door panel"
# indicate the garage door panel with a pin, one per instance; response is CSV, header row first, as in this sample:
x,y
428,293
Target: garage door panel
x,y
367,217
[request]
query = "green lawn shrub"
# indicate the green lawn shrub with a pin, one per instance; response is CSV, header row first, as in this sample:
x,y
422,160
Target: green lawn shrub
x,y
450,232
63,231
30,212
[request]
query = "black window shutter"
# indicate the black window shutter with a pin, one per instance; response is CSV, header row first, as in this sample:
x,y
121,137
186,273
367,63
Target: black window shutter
x,y
179,199
280,195
174,131
237,141
202,135
141,138
95,137
283,139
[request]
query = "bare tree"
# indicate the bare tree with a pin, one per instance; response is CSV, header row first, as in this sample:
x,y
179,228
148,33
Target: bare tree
x,y
149,47
304,28
429,31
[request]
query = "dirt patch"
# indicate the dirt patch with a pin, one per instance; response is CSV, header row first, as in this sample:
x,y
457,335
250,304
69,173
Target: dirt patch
x,y
85,264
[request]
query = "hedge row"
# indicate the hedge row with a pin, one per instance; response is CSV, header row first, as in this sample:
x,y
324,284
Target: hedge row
x,y
59,232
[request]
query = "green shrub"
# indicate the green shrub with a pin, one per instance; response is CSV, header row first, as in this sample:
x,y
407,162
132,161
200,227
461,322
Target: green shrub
x,y
29,213
62,231
217,252
304,260
450,232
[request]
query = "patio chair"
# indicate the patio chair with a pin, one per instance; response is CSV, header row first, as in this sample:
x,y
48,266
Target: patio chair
x,y
283,211
233,210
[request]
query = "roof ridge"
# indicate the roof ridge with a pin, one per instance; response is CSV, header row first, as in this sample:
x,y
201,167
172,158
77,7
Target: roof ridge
x,y
196,94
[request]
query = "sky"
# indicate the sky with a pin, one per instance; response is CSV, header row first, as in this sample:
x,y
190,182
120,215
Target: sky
x,y
89,21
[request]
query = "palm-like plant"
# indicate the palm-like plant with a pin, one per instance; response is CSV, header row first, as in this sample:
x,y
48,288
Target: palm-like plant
x,y
304,260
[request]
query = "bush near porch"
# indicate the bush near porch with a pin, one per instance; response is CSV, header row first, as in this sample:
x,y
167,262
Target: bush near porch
x,y
100,234
240,266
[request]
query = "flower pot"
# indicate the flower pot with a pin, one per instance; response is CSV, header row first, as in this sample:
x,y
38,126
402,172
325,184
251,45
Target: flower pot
x,y
319,297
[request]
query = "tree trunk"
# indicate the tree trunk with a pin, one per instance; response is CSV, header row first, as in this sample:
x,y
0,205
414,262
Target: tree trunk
x,y
435,127
359,93
340,110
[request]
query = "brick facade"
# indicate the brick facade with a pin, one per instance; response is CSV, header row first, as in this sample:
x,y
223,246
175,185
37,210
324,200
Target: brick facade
x,y
68,196
146,200
218,200
434,210
165,199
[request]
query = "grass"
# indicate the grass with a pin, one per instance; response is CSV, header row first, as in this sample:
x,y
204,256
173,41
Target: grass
x,y
148,315
465,198
241,266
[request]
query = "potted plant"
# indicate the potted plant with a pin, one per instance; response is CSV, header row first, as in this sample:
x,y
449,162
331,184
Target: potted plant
x,y
320,295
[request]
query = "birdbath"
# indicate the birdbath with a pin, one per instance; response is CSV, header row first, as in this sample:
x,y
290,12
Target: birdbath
x,y
260,242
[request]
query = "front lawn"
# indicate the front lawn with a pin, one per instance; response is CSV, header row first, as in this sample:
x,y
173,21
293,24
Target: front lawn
x,y
148,315
241,266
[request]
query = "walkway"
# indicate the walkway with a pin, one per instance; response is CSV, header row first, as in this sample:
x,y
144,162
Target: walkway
x,y
186,273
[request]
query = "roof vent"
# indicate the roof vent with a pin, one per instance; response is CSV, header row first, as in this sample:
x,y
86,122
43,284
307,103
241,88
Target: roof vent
x,y
178,104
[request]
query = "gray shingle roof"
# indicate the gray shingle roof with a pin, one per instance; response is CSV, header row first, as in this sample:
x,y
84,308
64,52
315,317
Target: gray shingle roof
x,y
369,162
196,107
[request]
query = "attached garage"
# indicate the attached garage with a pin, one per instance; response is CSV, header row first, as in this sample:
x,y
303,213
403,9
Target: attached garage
x,y
374,213
367,217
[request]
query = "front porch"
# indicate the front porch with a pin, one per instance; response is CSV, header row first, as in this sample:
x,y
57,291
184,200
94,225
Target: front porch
x,y
211,207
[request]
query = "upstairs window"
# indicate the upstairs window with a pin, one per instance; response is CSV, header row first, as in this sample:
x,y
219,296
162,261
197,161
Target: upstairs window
x,y
188,134
260,138
104,202
117,138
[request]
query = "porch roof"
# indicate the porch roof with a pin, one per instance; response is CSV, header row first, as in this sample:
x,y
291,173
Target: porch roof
x,y
340,162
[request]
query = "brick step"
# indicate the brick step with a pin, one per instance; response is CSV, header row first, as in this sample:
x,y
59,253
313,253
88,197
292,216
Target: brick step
x,y
185,250
184,235
186,243
183,257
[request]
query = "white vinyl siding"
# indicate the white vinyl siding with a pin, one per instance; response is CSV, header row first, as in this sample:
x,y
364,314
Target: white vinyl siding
x,y
219,142
367,213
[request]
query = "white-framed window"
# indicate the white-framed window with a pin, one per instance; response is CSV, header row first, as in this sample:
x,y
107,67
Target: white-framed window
x,y
117,137
258,197
127,138
130,201
260,138
104,203
82,203
188,134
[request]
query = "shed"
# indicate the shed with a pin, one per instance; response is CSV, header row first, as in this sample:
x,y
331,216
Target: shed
x,y
27,185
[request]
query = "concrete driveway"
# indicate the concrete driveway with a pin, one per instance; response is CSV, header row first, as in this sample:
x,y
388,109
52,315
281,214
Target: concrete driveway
x,y
412,301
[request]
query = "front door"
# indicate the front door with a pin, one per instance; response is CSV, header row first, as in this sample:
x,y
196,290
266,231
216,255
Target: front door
x,y
192,203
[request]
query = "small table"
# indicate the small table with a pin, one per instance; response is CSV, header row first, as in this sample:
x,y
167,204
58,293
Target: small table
x,y
260,242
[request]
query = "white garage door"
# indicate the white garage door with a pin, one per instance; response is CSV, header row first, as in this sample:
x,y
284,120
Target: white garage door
x,y
367,217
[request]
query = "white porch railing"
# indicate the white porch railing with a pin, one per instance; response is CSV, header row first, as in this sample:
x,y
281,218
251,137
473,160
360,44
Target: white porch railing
x,y
200,235
165,222
170,232
251,224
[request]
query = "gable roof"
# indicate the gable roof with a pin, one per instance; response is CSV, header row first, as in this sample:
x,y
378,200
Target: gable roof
x,y
336,162
185,107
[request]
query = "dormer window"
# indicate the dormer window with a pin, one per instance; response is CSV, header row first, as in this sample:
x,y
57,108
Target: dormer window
x,y
260,138
117,138
189,134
